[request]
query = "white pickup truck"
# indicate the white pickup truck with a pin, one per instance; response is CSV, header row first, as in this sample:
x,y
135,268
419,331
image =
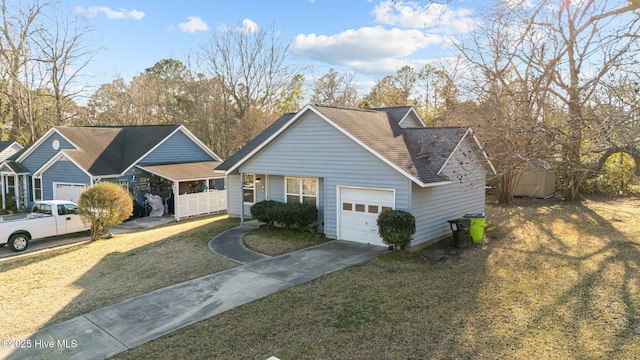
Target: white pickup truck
x,y
47,218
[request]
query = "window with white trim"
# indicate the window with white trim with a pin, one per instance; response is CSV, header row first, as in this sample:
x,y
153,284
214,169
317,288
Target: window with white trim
x,y
11,185
37,189
249,188
301,190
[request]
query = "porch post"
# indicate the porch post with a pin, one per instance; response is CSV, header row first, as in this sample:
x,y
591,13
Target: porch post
x,y
176,203
242,197
16,190
4,200
25,190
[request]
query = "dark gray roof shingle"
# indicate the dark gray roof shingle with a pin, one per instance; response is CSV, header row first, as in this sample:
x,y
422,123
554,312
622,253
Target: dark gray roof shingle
x,y
418,152
5,144
183,171
15,167
106,150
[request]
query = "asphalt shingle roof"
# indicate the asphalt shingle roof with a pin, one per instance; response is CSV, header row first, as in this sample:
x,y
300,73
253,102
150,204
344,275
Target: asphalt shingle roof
x,y
110,150
182,171
5,144
379,130
419,152
15,167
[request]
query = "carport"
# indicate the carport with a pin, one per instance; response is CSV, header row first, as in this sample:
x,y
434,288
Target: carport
x,y
195,189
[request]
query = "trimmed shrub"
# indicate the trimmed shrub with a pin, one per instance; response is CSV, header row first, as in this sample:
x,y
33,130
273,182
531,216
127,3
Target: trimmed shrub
x,y
266,211
104,206
396,228
306,215
299,216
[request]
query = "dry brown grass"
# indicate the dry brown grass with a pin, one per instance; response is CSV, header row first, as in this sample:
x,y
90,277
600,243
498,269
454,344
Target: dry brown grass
x,y
552,281
275,241
50,286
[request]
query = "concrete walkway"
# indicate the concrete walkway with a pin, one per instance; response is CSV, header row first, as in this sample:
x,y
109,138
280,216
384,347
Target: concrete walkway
x,y
116,328
229,244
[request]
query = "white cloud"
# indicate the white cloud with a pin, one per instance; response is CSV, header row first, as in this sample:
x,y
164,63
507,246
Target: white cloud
x,y
366,48
194,24
434,17
111,14
249,27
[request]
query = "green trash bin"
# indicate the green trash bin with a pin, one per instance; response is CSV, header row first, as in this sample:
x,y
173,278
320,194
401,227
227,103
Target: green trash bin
x,y
476,230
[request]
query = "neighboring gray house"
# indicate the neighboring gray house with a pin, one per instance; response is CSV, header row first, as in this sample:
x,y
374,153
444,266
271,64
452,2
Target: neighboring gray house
x,y
352,164
8,149
166,160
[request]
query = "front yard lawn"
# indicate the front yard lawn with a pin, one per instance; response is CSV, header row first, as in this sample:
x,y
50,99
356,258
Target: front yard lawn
x,y
552,281
277,241
50,286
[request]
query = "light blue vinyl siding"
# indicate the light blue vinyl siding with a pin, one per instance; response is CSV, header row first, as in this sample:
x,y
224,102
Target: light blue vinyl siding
x,y
433,206
276,188
314,148
45,152
62,171
234,195
177,148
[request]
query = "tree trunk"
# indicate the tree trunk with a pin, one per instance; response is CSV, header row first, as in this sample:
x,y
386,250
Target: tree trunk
x,y
508,185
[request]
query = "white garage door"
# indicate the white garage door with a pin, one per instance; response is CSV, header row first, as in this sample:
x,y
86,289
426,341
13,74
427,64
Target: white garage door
x,y
358,209
69,192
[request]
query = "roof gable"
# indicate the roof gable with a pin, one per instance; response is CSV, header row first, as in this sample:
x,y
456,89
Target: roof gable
x,y
180,146
111,150
255,143
5,144
432,147
13,167
403,116
418,153
8,149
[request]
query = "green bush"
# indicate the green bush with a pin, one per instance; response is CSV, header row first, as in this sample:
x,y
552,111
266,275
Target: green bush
x,y
299,216
396,228
266,211
104,206
306,215
286,216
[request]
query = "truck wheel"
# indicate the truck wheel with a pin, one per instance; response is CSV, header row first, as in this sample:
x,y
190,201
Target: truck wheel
x,y
18,242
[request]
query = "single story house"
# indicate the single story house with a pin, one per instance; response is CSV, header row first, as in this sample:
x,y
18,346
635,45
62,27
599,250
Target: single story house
x,y
353,164
537,180
165,160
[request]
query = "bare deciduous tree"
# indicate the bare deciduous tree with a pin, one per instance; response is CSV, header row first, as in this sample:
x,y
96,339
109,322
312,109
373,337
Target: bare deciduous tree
x,y
43,50
551,59
333,89
252,64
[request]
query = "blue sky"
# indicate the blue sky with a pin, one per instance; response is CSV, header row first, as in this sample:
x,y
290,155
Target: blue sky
x,y
370,38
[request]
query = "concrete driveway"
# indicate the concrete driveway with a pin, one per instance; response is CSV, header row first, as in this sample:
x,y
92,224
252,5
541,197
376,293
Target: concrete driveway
x,y
118,327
